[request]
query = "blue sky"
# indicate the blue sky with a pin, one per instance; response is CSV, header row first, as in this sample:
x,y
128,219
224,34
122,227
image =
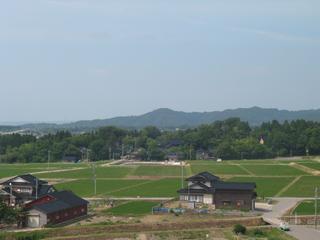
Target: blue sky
x,y
65,60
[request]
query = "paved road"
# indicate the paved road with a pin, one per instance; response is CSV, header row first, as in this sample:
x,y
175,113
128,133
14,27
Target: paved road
x,y
284,204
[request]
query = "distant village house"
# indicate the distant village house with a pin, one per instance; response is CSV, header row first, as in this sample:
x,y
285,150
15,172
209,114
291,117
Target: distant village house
x,y
205,188
24,188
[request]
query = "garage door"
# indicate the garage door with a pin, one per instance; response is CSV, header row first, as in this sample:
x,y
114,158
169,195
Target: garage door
x,y
33,221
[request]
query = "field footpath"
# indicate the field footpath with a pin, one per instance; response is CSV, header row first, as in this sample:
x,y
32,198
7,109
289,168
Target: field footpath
x,y
288,186
305,169
125,188
245,169
46,171
148,227
59,170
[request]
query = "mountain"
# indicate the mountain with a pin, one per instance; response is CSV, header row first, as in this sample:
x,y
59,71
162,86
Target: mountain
x,y
165,118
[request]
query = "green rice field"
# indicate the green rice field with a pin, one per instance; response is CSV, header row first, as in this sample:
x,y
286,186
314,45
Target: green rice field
x,y
273,177
266,186
306,208
304,187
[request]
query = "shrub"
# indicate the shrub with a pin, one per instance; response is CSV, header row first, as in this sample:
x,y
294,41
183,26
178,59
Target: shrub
x,y
239,229
29,236
258,232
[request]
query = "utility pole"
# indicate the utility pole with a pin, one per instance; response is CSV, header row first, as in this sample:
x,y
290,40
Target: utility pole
x,y
122,151
36,188
316,208
94,178
110,153
88,156
10,194
182,185
49,153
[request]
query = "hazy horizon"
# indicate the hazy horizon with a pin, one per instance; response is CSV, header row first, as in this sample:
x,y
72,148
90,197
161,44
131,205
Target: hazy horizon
x,y
17,123
69,60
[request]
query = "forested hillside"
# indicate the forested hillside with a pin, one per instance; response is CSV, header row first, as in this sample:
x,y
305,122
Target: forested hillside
x,y
229,139
168,119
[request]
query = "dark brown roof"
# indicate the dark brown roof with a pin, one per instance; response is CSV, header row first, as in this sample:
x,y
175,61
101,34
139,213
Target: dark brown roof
x,y
204,177
62,200
234,186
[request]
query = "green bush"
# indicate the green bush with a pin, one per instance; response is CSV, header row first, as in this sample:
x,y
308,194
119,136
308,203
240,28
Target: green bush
x,y
258,232
30,236
239,229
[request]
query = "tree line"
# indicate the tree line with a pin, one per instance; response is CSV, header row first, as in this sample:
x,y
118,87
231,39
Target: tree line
x,y
228,139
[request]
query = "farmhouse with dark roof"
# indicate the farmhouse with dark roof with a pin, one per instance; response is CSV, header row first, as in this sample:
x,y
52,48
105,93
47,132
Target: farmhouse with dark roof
x,y
54,208
24,188
209,189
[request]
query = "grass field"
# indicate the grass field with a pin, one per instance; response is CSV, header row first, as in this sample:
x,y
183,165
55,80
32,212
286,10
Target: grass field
x,y
271,176
123,188
304,187
156,188
85,187
101,172
274,170
134,208
306,208
266,186
313,165
9,170
219,169
162,171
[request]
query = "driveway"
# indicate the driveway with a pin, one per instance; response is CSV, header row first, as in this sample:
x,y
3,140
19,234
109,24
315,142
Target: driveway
x,y
273,214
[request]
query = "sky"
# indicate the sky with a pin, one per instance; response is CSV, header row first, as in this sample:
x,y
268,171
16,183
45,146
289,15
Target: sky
x,y
67,60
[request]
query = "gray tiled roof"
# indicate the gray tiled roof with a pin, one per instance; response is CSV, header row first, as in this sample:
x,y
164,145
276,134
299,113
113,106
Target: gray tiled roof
x,y
27,177
217,184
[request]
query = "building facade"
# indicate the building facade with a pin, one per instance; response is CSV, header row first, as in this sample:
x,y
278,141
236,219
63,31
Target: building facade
x,y
25,188
205,188
55,208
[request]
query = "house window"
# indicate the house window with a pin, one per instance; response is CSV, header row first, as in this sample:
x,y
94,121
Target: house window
x,y
184,198
82,209
239,203
226,203
57,217
196,198
66,214
75,213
